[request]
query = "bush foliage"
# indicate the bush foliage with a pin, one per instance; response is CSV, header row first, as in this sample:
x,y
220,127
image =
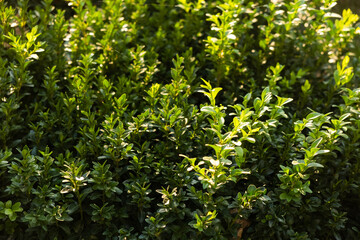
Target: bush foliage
x,y
179,119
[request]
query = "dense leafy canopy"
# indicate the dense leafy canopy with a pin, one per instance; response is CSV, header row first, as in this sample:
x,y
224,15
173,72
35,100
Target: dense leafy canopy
x,y
179,119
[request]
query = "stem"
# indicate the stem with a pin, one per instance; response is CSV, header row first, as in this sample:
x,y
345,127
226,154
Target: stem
x,y
80,206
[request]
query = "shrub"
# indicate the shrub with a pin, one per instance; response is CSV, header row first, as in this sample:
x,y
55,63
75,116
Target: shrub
x,y
134,119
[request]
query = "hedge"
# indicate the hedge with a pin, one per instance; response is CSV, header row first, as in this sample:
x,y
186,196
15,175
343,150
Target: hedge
x,y
179,119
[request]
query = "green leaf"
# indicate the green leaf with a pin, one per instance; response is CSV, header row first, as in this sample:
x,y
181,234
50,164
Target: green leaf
x,y
285,196
306,87
34,56
314,164
321,152
313,116
215,91
251,189
246,99
16,207
8,204
332,15
239,156
266,95
208,109
250,139
8,211
12,217
316,143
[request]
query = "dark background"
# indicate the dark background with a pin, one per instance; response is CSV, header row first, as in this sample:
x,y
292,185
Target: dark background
x,y
354,5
